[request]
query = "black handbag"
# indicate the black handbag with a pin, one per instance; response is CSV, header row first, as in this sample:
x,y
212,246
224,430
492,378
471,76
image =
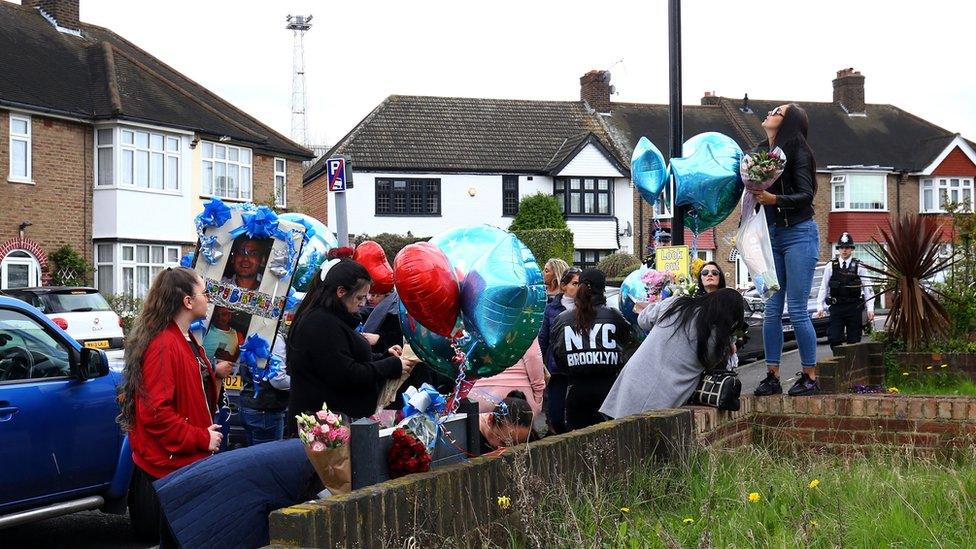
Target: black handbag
x,y
719,389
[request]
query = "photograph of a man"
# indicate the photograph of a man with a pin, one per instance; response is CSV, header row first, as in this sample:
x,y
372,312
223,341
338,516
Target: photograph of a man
x,y
248,258
223,339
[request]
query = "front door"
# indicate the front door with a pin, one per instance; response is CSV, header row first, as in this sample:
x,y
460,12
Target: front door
x,y
19,269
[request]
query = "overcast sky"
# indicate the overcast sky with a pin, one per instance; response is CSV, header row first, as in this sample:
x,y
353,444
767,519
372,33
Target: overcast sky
x,y
916,55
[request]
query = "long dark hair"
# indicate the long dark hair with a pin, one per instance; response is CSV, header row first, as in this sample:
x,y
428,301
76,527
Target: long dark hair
x,y
588,301
347,274
514,409
719,313
791,137
162,304
721,278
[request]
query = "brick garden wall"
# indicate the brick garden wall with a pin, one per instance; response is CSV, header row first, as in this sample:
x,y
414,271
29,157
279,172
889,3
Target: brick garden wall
x,y
466,493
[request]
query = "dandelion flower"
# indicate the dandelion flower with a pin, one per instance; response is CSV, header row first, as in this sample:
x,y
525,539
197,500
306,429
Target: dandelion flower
x,y
814,483
814,523
928,367
689,520
893,390
625,509
504,502
904,373
944,366
754,497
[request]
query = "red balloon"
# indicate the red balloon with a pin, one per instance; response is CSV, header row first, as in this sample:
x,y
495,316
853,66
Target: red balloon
x,y
369,254
428,287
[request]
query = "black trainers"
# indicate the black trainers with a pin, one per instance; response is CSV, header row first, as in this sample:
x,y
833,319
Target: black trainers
x,y
804,386
769,386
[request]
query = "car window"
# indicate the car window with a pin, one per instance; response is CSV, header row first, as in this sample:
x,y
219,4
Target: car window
x,y
30,298
74,302
28,351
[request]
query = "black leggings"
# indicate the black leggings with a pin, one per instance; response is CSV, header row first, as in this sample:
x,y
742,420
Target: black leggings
x,y
142,481
584,396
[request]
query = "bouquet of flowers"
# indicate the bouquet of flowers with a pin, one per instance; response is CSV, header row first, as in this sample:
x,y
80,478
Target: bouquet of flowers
x,y
683,285
326,439
656,282
407,454
761,169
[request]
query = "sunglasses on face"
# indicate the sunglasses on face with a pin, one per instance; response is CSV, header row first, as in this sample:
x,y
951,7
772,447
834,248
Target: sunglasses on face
x,y
710,272
775,112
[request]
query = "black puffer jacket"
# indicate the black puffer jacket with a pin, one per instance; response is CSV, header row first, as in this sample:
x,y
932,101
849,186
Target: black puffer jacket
x,y
600,353
794,190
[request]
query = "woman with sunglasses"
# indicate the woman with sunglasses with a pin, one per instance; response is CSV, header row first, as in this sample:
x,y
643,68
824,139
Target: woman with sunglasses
x,y
710,278
169,389
555,398
795,240
328,360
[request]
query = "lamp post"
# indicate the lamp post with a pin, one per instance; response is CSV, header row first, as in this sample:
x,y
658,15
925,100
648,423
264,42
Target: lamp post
x,y
674,111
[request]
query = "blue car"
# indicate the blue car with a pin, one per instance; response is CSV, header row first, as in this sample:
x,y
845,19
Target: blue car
x,y
60,448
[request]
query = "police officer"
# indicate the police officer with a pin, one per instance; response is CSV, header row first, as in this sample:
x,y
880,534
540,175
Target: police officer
x,y
845,289
661,238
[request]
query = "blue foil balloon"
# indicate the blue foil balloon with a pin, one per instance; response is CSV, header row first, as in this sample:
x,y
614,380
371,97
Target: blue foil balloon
x,y
707,178
465,245
314,251
648,170
632,290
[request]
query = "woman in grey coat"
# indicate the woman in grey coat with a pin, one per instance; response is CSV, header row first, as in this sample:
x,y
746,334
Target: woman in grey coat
x,y
688,335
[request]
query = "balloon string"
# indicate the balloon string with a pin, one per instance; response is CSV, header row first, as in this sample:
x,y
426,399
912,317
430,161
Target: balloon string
x,y
694,245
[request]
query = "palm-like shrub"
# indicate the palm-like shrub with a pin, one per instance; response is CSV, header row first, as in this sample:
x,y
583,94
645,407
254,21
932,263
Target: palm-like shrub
x,y
908,257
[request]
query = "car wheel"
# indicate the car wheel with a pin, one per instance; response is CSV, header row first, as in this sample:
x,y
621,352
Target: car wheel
x,y
143,511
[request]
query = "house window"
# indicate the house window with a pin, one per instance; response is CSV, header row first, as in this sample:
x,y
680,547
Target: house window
x,y
149,160
20,148
280,180
584,195
510,195
128,268
19,269
589,258
936,192
105,156
408,197
704,255
859,192
226,171
664,206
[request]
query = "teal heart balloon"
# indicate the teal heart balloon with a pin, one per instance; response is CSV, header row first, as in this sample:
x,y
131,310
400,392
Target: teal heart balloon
x,y
648,170
707,179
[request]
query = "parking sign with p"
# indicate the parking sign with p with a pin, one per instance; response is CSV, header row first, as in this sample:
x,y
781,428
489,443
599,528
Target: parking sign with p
x,y
337,174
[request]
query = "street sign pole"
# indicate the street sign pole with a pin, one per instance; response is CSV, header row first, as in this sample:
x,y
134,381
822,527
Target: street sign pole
x,y
342,222
674,110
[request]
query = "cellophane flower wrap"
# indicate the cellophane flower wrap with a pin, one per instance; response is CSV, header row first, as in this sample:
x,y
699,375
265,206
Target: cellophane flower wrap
x,y
326,439
760,170
407,454
683,285
656,282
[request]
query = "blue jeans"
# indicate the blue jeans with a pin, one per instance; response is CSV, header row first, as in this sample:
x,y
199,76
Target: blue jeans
x,y
261,426
795,252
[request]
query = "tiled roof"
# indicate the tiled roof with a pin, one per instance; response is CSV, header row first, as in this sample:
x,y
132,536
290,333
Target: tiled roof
x,y
101,75
456,134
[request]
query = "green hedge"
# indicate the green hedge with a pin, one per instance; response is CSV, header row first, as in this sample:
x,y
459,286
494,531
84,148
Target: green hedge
x,y
548,243
618,265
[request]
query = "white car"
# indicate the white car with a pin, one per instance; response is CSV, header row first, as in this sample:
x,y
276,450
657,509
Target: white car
x,y
82,312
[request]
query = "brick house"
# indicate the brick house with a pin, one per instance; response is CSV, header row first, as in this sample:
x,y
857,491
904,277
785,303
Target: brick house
x,y
874,162
112,152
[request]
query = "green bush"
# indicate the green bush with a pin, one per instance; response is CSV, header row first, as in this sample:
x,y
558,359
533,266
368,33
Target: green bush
x,y
68,267
538,211
391,243
548,243
618,264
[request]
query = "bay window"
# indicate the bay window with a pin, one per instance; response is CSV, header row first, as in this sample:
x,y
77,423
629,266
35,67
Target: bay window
x,y
936,192
137,158
859,192
129,268
226,171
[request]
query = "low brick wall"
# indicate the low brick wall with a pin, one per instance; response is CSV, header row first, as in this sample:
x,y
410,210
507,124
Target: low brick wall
x,y
859,364
466,493
845,424
920,363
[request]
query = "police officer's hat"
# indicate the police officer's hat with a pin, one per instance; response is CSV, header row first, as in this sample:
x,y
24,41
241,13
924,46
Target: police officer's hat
x,y
662,235
845,241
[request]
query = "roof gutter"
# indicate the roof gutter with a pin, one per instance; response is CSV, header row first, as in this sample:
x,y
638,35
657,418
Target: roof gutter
x,y
47,111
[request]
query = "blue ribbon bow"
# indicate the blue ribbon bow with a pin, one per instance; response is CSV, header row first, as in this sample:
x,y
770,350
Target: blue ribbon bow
x,y
198,326
187,260
215,214
262,223
210,249
291,300
255,347
426,401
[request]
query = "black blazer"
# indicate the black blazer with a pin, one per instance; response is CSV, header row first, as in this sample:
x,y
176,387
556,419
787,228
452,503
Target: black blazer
x,y
330,362
794,190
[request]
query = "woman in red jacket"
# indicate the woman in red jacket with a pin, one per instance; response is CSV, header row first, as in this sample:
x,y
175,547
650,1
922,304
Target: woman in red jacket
x,y
169,388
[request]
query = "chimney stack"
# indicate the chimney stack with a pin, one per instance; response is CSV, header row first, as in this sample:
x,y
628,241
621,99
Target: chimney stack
x,y
595,90
709,98
849,91
65,12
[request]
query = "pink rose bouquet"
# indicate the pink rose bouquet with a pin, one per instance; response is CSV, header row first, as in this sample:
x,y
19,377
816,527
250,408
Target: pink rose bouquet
x,y
656,282
760,170
326,439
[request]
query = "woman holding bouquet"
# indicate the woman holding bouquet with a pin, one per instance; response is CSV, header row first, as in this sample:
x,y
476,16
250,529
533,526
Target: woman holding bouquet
x,y
795,240
327,359
169,389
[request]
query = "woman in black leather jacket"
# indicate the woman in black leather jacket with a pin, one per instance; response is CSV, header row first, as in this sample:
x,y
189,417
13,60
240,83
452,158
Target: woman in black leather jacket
x,y
590,344
795,240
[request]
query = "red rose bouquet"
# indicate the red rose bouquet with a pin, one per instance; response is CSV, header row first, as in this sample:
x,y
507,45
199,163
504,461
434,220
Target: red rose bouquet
x,y
407,454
